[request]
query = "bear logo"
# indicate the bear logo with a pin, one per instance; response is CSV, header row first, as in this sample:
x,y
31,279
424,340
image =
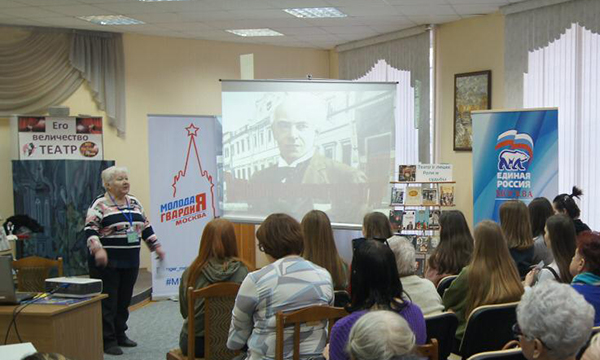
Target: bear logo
x,y
512,160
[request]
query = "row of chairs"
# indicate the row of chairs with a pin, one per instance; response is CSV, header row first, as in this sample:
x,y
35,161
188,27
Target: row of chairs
x,y
219,300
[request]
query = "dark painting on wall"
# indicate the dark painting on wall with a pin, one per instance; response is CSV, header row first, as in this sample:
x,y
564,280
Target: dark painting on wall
x,y
57,193
472,91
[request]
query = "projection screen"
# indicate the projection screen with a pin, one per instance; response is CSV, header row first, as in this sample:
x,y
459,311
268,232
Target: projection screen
x,y
295,146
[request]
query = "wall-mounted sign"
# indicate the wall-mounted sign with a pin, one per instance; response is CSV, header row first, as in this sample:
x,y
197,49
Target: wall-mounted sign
x,y
434,172
60,138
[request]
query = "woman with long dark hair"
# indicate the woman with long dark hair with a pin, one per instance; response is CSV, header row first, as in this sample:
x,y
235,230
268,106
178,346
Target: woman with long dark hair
x,y
320,249
454,250
540,209
489,278
217,261
561,239
375,286
514,219
565,204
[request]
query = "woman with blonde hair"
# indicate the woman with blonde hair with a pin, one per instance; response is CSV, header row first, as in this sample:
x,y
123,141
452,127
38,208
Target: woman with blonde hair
x,y
514,219
488,279
217,261
320,249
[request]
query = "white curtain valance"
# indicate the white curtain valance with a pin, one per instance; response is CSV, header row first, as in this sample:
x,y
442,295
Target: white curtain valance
x,y
44,67
533,29
407,54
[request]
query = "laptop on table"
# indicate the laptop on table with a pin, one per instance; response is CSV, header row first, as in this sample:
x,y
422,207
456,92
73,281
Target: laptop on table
x,y
8,294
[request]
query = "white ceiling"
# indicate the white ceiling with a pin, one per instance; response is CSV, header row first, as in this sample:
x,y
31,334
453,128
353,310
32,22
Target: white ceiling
x,y
207,19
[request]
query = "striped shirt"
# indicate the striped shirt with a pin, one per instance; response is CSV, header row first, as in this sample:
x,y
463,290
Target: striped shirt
x,y
107,225
288,284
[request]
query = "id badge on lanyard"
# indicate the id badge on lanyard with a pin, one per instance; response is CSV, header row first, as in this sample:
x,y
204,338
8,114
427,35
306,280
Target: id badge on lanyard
x,y
132,235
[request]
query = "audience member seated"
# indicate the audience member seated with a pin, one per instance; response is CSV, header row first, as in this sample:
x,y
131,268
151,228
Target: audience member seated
x,y
585,267
376,226
420,291
217,261
375,286
454,250
489,279
289,283
514,218
320,249
553,322
380,335
560,237
565,204
593,351
540,209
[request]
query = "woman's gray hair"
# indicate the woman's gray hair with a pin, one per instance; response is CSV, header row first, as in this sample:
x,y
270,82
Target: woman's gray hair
x,y
404,252
380,335
109,174
558,316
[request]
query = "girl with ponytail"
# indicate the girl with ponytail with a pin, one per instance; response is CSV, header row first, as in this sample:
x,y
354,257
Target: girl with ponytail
x,y
565,204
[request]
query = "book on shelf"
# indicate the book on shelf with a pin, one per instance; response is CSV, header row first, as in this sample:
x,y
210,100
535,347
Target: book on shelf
x,y
447,195
396,219
422,219
397,196
408,220
434,241
434,219
423,244
407,173
413,196
430,196
420,264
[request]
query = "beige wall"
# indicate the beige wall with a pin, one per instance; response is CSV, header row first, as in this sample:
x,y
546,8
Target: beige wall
x,y
465,46
172,76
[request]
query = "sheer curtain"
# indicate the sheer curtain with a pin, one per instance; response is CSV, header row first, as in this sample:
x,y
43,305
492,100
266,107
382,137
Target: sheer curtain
x,y
44,67
407,61
562,70
407,134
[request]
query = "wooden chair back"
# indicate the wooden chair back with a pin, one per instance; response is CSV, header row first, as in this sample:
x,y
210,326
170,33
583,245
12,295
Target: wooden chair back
x,y
429,350
307,315
33,271
219,300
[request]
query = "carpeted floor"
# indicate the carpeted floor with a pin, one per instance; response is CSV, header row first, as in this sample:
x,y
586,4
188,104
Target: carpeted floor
x,y
155,327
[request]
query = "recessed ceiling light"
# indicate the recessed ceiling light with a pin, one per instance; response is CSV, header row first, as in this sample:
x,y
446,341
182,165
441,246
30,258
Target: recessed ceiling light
x,y
111,20
316,13
254,32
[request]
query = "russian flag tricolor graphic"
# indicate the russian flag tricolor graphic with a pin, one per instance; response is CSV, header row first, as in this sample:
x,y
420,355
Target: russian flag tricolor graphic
x,y
513,140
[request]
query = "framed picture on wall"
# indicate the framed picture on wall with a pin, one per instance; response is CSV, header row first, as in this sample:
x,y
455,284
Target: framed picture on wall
x,y
472,91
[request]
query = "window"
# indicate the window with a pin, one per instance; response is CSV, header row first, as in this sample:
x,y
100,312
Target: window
x,y
566,74
347,153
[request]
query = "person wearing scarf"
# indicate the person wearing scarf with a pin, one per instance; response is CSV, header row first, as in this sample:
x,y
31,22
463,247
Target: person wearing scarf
x,y
585,267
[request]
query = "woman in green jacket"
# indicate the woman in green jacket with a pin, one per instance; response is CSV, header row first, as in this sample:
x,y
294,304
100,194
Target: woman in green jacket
x,y
490,278
217,261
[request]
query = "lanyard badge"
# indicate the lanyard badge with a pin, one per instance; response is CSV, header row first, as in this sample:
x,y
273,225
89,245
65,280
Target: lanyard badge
x,y
132,235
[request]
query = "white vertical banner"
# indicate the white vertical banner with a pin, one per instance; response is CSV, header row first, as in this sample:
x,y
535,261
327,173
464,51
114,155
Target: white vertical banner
x,y
184,191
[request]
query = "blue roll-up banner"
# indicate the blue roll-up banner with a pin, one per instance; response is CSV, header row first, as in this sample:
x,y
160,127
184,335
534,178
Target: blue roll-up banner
x,y
515,157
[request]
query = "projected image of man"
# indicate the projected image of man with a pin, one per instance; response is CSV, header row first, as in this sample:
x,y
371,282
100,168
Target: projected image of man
x,y
295,123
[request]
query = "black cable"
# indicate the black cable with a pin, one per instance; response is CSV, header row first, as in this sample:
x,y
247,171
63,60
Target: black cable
x,y
19,308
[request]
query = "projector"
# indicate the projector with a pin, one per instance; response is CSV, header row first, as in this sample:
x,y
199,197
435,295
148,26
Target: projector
x,y
74,287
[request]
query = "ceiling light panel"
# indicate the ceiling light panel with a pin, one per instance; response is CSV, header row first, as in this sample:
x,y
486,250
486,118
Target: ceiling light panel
x,y
316,13
254,32
111,20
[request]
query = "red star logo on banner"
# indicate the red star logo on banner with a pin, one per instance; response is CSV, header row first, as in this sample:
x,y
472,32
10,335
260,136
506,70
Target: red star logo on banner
x,y
192,130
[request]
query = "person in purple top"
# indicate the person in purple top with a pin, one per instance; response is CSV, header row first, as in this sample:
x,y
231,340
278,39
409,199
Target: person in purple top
x,y
585,267
375,286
